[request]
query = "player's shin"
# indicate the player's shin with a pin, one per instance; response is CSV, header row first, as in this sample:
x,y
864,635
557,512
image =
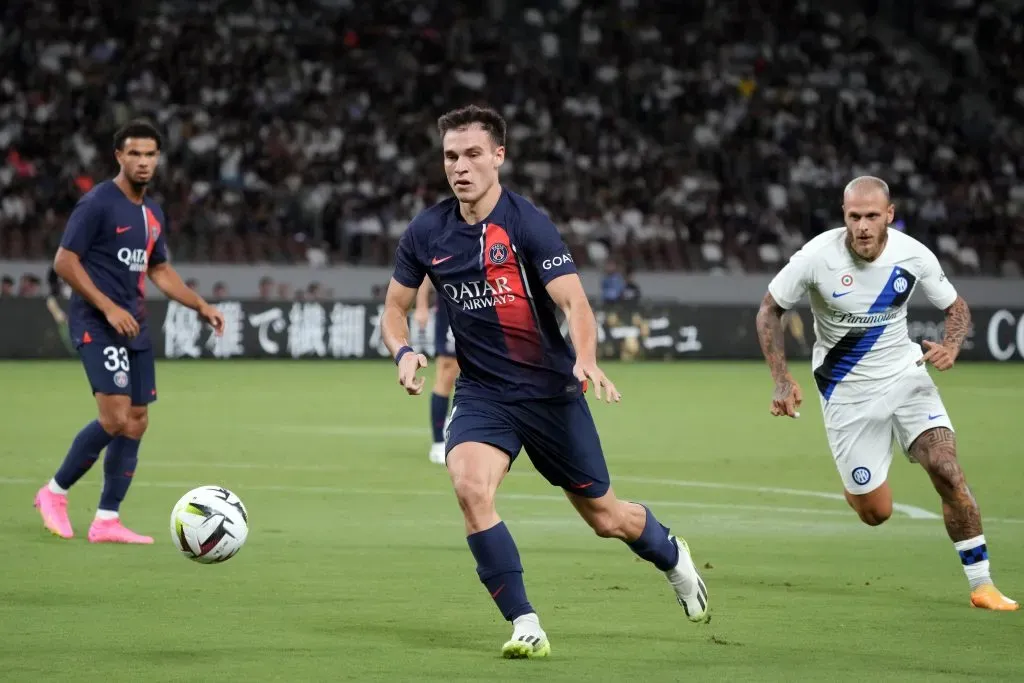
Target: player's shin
x,y
654,543
84,451
118,469
500,570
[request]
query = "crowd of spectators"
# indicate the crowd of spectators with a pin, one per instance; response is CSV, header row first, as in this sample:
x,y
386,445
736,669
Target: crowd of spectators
x,y
666,135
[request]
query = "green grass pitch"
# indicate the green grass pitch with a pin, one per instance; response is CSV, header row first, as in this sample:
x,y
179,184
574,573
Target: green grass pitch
x,y
356,567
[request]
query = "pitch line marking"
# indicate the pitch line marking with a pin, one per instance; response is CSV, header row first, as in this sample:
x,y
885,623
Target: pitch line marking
x,y
526,496
911,511
447,493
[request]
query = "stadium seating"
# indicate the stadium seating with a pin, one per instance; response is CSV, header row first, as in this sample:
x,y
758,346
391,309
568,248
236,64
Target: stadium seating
x,y
672,135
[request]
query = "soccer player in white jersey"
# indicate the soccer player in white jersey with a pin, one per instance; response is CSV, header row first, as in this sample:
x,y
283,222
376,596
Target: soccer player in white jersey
x,y
872,379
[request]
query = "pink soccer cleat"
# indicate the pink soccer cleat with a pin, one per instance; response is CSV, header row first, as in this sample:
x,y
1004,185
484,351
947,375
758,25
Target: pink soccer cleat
x,y
53,507
112,531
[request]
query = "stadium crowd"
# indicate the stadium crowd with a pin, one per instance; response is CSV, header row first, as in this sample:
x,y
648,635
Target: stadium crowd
x,y
698,136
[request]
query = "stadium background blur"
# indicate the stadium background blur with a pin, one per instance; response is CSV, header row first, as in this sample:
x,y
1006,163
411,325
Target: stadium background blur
x,y
693,137
677,142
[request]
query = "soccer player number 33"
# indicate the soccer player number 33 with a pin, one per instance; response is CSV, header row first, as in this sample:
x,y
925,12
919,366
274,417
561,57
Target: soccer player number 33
x,y
117,358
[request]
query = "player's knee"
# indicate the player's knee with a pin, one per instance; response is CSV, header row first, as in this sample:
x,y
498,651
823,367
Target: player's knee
x,y
138,422
475,496
115,420
873,508
447,373
873,516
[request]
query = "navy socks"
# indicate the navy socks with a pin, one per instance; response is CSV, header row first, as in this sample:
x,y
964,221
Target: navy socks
x,y
118,469
84,451
500,570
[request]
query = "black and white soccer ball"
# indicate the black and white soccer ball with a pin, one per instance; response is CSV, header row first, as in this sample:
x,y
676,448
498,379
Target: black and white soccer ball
x,y
209,524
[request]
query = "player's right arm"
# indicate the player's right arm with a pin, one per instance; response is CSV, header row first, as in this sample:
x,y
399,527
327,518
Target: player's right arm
x,y
784,291
405,282
79,234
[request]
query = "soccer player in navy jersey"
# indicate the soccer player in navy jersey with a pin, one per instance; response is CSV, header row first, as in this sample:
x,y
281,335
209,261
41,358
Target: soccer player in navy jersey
x,y
447,367
502,271
114,238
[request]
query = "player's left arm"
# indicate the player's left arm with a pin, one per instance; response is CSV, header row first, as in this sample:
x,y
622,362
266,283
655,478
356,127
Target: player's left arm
x,y
550,256
166,278
942,294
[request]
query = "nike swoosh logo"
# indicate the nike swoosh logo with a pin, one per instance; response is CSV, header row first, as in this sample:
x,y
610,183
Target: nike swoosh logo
x,y
439,260
935,417
583,486
836,295
124,229
497,592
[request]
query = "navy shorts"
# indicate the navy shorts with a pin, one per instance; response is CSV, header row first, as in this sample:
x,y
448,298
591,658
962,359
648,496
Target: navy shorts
x,y
116,369
560,438
444,341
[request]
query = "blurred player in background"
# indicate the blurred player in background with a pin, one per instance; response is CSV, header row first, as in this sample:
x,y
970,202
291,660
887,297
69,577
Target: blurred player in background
x,y
59,292
113,239
871,377
502,270
447,369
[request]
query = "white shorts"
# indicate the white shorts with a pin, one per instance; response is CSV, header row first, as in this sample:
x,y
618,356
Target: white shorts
x,y
861,435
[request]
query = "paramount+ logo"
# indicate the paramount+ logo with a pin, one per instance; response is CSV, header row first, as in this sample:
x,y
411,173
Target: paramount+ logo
x,y
474,295
135,259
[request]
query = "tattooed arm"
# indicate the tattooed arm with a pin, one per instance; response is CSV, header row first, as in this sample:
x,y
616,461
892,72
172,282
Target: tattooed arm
x,y
958,324
787,396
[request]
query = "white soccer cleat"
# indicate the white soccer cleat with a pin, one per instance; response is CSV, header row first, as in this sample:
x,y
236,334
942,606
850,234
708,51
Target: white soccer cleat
x,y
528,639
437,453
691,593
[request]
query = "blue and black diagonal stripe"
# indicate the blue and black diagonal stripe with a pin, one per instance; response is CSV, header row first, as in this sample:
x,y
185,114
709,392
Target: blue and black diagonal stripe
x,y
849,350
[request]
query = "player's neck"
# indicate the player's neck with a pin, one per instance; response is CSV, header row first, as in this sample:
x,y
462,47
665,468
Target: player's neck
x,y
475,212
129,189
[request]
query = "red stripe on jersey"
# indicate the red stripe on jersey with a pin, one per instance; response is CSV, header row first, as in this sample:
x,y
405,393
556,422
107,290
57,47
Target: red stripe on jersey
x,y
515,313
152,233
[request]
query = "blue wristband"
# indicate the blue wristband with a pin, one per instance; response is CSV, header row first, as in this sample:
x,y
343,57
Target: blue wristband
x,y
401,352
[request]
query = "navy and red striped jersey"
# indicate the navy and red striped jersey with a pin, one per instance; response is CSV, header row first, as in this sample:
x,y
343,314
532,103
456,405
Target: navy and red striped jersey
x,y
491,278
117,241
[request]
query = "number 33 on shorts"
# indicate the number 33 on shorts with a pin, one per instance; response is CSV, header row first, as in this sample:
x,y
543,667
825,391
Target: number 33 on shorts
x,y
118,370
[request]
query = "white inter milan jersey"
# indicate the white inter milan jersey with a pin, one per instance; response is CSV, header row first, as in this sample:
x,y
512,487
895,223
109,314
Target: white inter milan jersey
x,y
862,347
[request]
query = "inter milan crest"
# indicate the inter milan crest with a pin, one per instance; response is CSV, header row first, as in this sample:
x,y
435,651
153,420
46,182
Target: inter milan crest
x,y
498,254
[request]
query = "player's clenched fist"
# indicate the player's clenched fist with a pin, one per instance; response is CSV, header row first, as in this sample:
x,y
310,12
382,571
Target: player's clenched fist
x,y
602,385
787,398
408,365
942,357
123,321
214,317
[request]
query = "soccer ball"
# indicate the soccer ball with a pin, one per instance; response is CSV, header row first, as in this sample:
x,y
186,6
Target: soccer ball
x,y
209,524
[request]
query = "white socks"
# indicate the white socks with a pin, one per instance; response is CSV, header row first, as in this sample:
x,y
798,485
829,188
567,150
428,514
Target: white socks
x,y
106,514
528,623
974,557
55,488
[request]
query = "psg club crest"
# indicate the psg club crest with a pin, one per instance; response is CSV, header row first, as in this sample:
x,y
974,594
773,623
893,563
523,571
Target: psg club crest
x,y
498,254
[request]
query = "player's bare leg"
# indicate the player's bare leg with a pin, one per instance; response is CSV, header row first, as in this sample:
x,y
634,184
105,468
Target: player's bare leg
x,y
635,525
119,467
446,370
874,507
935,449
52,500
476,471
